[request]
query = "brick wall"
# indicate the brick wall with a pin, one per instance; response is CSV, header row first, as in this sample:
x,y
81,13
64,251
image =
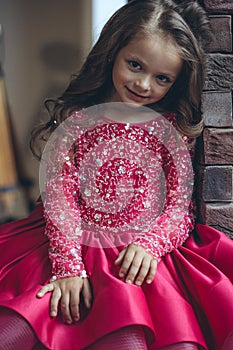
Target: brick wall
x,y
215,147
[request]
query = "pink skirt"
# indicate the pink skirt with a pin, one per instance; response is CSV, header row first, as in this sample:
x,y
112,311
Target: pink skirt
x,y
190,299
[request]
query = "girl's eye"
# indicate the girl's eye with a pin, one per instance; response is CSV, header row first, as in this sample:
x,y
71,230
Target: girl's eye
x,y
135,65
163,79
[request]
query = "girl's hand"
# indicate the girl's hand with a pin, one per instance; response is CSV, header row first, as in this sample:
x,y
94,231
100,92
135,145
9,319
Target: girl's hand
x,y
136,265
67,291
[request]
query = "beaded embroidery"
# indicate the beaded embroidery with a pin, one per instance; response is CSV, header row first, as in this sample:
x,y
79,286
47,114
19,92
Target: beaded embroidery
x,y
167,215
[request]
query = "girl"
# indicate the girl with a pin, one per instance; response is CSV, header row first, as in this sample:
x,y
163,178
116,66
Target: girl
x,y
167,285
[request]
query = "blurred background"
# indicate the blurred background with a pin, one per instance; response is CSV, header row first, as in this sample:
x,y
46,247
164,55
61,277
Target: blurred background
x,y
41,44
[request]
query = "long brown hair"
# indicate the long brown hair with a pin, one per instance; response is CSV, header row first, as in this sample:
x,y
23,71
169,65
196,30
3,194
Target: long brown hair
x,y
183,22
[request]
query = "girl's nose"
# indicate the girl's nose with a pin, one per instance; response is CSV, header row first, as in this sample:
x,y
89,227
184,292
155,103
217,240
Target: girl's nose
x,y
143,84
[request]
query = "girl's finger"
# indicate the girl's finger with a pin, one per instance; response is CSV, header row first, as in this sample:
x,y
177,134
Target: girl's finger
x,y
134,268
152,271
143,271
47,288
74,304
126,263
87,294
55,298
65,307
120,257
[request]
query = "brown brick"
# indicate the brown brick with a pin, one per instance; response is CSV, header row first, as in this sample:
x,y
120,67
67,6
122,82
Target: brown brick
x,y
219,5
220,72
216,183
218,215
218,146
222,35
217,109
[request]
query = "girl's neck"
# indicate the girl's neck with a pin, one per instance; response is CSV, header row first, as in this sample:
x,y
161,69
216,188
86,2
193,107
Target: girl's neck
x,y
126,113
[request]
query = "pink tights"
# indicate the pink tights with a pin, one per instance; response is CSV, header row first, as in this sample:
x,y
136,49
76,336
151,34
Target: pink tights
x,y
128,338
16,332
228,345
132,338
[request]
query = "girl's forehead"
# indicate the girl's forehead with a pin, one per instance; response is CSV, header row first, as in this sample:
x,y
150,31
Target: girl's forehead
x,y
144,44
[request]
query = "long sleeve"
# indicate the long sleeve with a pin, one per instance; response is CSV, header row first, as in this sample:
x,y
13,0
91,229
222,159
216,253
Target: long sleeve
x,y
63,222
171,228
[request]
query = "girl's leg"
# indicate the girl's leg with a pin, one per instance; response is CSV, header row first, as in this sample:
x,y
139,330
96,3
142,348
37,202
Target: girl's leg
x,y
16,333
128,338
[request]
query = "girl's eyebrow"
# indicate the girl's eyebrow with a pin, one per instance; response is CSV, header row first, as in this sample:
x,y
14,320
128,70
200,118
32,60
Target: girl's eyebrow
x,y
136,58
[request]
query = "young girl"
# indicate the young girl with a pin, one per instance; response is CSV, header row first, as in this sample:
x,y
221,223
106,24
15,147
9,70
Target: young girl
x,y
167,285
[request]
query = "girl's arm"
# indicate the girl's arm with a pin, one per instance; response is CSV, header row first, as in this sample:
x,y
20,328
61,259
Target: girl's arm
x,y
63,223
172,227
138,261
68,280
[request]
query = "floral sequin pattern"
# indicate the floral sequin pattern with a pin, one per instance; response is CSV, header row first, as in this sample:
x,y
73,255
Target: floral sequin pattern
x,y
131,183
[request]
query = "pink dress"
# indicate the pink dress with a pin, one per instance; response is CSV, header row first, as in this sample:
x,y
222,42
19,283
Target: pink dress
x,y
140,194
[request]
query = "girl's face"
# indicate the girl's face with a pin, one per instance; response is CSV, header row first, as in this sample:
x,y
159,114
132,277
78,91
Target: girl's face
x,y
145,70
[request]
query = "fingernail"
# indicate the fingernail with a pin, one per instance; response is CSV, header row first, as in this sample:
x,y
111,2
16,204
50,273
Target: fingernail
x,y
39,294
121,274
129,281
76,319
53,314
138,283
148,281
68,321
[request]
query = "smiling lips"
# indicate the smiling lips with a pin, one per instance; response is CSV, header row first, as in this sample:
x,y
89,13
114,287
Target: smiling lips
x,y
136,96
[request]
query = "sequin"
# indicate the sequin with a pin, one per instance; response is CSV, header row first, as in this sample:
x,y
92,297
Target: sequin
x,y
62,216
150,129
121,170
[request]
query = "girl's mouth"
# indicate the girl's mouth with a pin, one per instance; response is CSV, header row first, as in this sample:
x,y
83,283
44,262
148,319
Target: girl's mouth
x,y
136,96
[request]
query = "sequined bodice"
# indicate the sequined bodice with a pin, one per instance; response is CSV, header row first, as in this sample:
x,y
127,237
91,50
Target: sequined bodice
x,y
129,182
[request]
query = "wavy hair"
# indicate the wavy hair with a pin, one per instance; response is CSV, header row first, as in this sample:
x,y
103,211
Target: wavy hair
x,y
184,23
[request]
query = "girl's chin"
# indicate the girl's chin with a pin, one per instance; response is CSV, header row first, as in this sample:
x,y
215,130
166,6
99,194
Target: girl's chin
x,y
129,101
135,104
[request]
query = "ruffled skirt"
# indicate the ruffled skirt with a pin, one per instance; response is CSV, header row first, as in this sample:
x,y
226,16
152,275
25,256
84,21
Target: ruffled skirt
x,y
190,299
